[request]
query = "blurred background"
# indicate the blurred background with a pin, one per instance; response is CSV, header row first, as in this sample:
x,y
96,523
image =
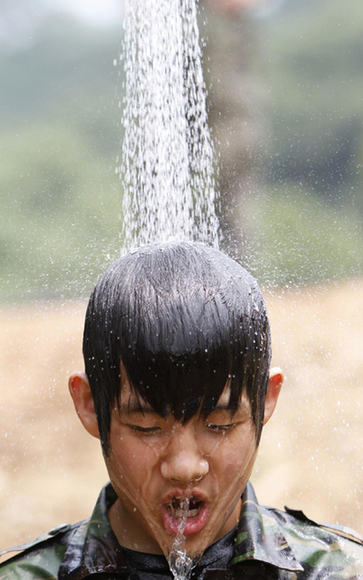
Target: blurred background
x,y
285,99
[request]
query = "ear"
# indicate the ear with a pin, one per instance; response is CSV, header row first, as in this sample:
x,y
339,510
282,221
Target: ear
x,y
83,402
273,390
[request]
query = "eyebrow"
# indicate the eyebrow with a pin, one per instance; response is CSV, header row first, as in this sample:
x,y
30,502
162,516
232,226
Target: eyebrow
x,y
225,407
136,407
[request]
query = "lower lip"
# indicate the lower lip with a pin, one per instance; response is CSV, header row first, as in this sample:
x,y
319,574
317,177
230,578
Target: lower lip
x,y
192,525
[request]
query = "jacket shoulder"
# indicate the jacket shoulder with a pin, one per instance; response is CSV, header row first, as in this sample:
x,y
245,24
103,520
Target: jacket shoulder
x,y
38,559
341,531
321,548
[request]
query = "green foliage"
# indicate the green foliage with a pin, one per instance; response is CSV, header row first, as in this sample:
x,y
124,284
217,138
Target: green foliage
x,y
60,217
315,55
300,238
311,229
60,117
59,194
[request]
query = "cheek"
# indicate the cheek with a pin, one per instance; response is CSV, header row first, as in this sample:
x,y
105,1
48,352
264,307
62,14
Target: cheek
x,y
130,465
234,461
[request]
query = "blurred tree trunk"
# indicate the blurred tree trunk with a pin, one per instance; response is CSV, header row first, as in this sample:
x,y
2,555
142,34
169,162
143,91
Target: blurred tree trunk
x,y
236,101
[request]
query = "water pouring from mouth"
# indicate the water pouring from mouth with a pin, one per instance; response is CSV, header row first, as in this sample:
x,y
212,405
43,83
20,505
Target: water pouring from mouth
x,y
180,563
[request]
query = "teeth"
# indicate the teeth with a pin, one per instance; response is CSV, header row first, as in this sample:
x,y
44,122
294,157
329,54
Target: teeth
x,y
189,513
181,507
180,503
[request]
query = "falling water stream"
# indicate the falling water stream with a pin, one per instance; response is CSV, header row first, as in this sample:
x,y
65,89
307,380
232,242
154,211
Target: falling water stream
x,y
167,165
180,564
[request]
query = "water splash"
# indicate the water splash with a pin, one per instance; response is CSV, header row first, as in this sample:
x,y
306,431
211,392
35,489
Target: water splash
x,y
167,157
180,564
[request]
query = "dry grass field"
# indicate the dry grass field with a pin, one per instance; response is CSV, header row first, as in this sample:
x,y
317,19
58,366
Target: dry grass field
x,y
311,451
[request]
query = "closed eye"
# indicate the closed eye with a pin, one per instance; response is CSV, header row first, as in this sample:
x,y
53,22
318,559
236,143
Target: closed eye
x,y
145,430
221,428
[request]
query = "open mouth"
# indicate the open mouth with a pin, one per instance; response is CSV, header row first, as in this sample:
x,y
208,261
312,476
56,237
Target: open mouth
x,y
189,512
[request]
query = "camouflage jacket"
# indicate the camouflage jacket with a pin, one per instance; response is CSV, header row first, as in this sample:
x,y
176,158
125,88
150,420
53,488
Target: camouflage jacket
x,y
270,544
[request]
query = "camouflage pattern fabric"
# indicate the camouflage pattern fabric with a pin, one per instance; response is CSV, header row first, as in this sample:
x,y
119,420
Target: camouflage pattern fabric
x,y
270,544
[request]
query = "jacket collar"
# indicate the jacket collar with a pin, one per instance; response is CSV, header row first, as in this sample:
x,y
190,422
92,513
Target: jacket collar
x,y
93,547
259,537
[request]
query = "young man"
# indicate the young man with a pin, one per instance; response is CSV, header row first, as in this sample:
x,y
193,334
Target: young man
x,y
177,387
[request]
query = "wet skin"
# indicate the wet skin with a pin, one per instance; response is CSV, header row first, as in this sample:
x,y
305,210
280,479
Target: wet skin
x,y
154,463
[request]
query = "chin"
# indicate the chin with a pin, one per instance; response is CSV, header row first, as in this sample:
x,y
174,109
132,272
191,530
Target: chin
x,y
196,545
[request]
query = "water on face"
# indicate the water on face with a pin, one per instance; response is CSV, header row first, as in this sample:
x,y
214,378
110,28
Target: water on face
x,y
180,564
167,157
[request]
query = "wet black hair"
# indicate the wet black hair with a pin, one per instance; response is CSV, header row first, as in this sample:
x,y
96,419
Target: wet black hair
x,y
185,320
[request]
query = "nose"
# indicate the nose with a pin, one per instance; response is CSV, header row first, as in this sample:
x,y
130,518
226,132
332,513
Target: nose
x,y
183,461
